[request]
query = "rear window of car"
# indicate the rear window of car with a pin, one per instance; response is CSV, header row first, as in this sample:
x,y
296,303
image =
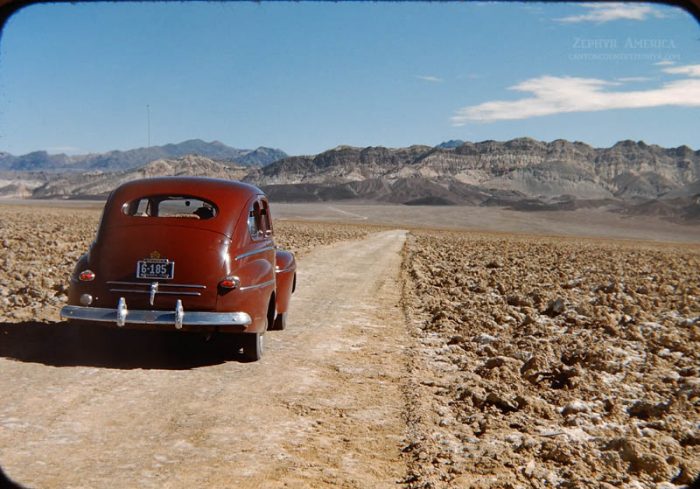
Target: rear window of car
x,y
177,206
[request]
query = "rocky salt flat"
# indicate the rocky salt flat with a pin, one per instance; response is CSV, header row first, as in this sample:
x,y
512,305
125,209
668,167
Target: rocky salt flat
x,y
544,362
532,361
40,247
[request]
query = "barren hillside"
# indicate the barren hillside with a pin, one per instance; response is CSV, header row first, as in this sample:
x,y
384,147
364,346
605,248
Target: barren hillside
x,y
521,174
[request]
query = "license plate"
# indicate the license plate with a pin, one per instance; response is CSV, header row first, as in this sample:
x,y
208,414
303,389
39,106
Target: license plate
x,y
162,269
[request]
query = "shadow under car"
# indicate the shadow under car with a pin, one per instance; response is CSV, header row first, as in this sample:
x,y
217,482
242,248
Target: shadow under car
x,y
66,344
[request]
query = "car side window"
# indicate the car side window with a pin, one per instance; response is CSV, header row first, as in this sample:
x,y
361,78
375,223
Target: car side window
x,y
266,220
259,221
255,221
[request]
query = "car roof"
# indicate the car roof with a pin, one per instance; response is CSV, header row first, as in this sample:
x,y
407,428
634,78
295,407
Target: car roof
x,y
218,190
230,197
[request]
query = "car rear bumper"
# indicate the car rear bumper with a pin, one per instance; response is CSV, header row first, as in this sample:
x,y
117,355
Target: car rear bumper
x,y
178,318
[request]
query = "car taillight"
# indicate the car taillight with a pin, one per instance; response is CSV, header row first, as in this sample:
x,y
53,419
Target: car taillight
x,y
230,283
86,276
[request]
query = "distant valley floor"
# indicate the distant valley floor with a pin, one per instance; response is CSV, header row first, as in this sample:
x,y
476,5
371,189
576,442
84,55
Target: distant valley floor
x,y
579,223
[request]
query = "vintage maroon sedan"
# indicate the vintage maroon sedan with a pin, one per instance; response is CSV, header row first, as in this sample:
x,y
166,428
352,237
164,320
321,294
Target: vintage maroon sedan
x,y
192,254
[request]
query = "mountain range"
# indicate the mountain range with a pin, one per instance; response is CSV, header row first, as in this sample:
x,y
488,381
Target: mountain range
x,y
134,158
523,173
99,184
489,172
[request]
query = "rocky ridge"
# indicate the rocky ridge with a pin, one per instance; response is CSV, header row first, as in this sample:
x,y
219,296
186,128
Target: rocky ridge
x,y
521,174
627,170
100,184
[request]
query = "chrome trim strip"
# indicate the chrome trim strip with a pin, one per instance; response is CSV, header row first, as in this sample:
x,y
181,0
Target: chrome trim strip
x,y
191,294
147,284
288,269
257,286
160,292
254,252
169,318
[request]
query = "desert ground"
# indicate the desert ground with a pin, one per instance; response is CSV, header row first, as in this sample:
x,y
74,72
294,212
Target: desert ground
x,y
426,348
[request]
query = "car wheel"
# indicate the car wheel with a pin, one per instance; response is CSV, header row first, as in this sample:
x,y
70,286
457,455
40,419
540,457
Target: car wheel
x,y
280,322
253,346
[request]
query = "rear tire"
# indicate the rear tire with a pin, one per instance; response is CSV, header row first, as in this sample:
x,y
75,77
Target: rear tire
x,y
280,322
253,346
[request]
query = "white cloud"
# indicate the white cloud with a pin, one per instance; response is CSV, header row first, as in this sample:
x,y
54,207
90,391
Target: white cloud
x,y
558,95
665,62
429,78
607,12
690,70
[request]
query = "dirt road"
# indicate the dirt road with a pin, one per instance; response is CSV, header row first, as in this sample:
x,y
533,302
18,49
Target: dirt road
x,y
324,408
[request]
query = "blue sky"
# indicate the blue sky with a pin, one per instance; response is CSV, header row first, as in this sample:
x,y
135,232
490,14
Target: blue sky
x,y
306,77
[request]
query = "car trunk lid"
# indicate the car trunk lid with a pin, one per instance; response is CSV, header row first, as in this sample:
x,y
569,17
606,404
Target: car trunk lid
x,y
152,265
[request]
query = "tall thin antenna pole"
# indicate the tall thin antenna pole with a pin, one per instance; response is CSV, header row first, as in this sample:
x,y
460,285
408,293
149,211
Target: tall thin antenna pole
x,y
148,115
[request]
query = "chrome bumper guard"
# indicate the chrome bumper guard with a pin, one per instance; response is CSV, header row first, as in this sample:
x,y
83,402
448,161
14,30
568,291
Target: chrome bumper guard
x,y
121,316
